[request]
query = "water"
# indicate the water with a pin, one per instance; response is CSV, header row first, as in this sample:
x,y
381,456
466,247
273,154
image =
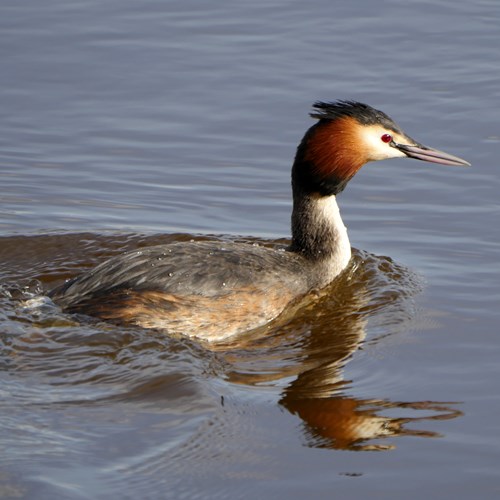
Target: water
x,y
125,124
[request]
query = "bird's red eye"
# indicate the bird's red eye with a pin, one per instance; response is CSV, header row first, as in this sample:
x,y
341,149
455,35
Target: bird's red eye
x,y
386,138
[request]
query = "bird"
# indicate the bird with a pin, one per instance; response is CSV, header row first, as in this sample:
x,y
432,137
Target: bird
x,y
215,290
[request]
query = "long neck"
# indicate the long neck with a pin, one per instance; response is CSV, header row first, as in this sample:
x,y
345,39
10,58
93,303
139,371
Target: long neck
x,y
318,232
324,163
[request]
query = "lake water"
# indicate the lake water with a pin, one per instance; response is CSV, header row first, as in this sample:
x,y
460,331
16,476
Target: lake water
x,y
125,124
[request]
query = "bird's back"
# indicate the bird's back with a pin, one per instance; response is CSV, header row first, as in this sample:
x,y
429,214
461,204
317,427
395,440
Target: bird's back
x,y
204,289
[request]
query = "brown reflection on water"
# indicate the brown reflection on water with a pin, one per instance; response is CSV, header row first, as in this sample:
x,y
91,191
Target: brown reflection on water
x,y
350,424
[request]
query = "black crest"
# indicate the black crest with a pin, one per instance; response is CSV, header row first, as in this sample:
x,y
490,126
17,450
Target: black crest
x,y
364,114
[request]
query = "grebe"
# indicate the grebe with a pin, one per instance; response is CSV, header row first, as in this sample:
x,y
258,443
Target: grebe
x,y
214,290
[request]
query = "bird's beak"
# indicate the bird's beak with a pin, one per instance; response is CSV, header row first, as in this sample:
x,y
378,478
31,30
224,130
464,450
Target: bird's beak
x,y
424,153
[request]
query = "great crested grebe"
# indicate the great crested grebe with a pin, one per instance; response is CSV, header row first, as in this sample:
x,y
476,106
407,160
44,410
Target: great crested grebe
x,y
213,290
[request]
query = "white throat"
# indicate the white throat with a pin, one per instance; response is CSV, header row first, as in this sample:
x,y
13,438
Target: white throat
x,y
329,210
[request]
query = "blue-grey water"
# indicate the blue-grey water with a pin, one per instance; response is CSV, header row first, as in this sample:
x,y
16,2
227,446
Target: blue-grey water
x,y
127,123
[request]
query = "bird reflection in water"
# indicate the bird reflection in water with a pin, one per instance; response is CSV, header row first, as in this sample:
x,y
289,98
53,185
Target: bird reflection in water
x,y
374,291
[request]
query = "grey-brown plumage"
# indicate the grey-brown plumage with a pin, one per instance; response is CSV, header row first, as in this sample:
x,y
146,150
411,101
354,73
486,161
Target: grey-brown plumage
x,y
205,289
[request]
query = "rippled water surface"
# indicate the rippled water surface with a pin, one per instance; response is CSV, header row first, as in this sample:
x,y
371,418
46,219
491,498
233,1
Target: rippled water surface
x,y
126,124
